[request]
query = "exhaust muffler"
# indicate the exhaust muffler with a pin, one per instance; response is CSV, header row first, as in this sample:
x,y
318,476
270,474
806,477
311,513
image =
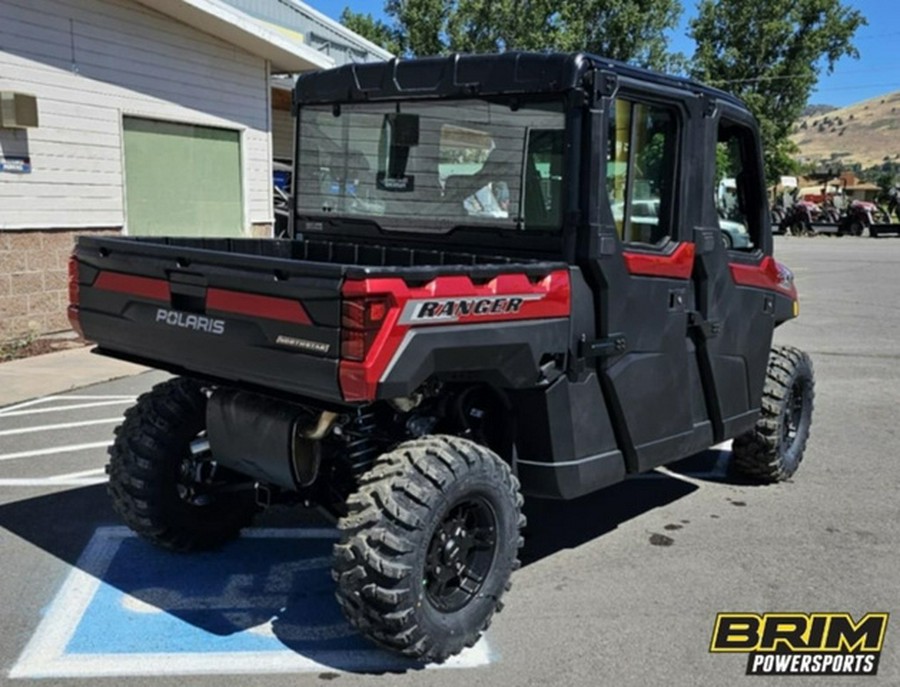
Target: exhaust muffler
x,y
272,441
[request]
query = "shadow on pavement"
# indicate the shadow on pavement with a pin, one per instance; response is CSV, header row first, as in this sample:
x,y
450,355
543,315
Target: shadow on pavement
x,y
272,589
557,525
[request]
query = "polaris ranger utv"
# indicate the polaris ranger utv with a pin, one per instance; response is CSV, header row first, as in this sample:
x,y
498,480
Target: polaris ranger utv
x,y
506,276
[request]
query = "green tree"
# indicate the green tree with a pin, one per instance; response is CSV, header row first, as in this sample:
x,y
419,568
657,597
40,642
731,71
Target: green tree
x,y
627,30
770,54
374,30
422,23
498,25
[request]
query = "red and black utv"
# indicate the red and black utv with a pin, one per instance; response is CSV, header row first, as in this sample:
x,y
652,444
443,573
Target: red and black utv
x,y
506,276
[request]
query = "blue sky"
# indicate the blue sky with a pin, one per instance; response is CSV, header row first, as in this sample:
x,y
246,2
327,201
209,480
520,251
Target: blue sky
x,y
876,71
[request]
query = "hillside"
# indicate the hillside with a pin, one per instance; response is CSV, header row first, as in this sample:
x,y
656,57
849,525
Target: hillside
x,y
865,132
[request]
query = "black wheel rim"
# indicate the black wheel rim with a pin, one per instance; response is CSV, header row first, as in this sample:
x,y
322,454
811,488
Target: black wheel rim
x,y
460,554
793,414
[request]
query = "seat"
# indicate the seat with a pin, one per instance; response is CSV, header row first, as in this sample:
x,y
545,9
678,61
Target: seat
x,y
535,205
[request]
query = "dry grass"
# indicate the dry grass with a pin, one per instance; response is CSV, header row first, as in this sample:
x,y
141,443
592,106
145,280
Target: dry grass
x,y
865,132
31,346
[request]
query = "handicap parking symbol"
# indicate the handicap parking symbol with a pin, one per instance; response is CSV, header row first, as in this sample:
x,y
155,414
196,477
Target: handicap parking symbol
x,y
262,604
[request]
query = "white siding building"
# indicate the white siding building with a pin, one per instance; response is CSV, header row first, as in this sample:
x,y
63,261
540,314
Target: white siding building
x,y
154,117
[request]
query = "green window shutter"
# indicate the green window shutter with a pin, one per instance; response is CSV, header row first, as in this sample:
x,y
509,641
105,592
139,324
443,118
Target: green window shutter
x,y
182,180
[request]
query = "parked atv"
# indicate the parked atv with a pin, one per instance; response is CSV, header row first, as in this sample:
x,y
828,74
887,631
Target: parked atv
x,y
798,218
865,216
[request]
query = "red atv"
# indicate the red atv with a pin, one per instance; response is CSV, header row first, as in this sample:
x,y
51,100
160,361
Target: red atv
x,y
798,218
862,215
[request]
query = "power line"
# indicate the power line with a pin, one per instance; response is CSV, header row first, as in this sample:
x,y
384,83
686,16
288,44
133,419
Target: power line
x,y
757,79
858,87
877,35
789,77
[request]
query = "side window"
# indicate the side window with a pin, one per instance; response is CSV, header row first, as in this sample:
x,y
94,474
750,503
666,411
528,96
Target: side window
x,y
737,190
543,179
640,170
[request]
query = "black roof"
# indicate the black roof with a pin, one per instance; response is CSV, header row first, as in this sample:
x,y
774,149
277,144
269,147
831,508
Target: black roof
x,y
461,75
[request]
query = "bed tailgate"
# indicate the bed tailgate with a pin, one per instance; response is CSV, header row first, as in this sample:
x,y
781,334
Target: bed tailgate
x,y
249,319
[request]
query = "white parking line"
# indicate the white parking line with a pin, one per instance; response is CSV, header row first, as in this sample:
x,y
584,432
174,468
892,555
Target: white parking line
x,y
51,482
91,397
56,449
78,475
67,397
26,404
83,478
58,409
61,425
718,471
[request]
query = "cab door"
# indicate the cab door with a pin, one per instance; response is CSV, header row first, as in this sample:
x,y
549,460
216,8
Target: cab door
x,y
643,266
734,274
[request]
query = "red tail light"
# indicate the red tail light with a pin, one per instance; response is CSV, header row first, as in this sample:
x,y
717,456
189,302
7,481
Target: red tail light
x,y
361,320
74,296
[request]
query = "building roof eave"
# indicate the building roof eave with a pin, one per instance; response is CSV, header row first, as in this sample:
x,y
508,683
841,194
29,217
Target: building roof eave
x,y
230,25
347,34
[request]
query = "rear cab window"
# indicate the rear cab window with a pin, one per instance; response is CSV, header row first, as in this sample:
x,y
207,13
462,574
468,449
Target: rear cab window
x,y
433,166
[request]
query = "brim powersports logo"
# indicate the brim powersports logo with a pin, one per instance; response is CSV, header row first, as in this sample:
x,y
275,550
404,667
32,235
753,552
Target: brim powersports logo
x,y
802,643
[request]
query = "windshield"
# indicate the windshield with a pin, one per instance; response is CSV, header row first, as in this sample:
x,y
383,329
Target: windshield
x,y
433,165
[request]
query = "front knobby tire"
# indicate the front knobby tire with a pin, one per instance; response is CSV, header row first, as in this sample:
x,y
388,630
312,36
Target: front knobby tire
x,y
428,546
160,488
773,449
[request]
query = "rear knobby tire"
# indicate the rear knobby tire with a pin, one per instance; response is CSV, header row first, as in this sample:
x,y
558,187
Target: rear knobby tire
x,y
427,518
152,474
773,449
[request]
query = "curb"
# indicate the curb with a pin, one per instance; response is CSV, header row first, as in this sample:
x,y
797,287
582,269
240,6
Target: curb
x,y
53,373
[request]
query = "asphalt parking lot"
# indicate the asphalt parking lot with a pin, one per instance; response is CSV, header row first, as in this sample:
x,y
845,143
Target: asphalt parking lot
x,y
618,588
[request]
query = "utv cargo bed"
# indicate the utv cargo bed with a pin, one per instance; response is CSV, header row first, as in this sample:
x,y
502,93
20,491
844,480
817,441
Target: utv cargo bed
x,y
256,312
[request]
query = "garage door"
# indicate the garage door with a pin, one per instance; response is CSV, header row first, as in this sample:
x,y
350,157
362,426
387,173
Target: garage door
x,y
182,180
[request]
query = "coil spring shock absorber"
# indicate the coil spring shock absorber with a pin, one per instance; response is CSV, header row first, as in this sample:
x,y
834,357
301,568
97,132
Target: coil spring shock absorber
x,y
362,448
